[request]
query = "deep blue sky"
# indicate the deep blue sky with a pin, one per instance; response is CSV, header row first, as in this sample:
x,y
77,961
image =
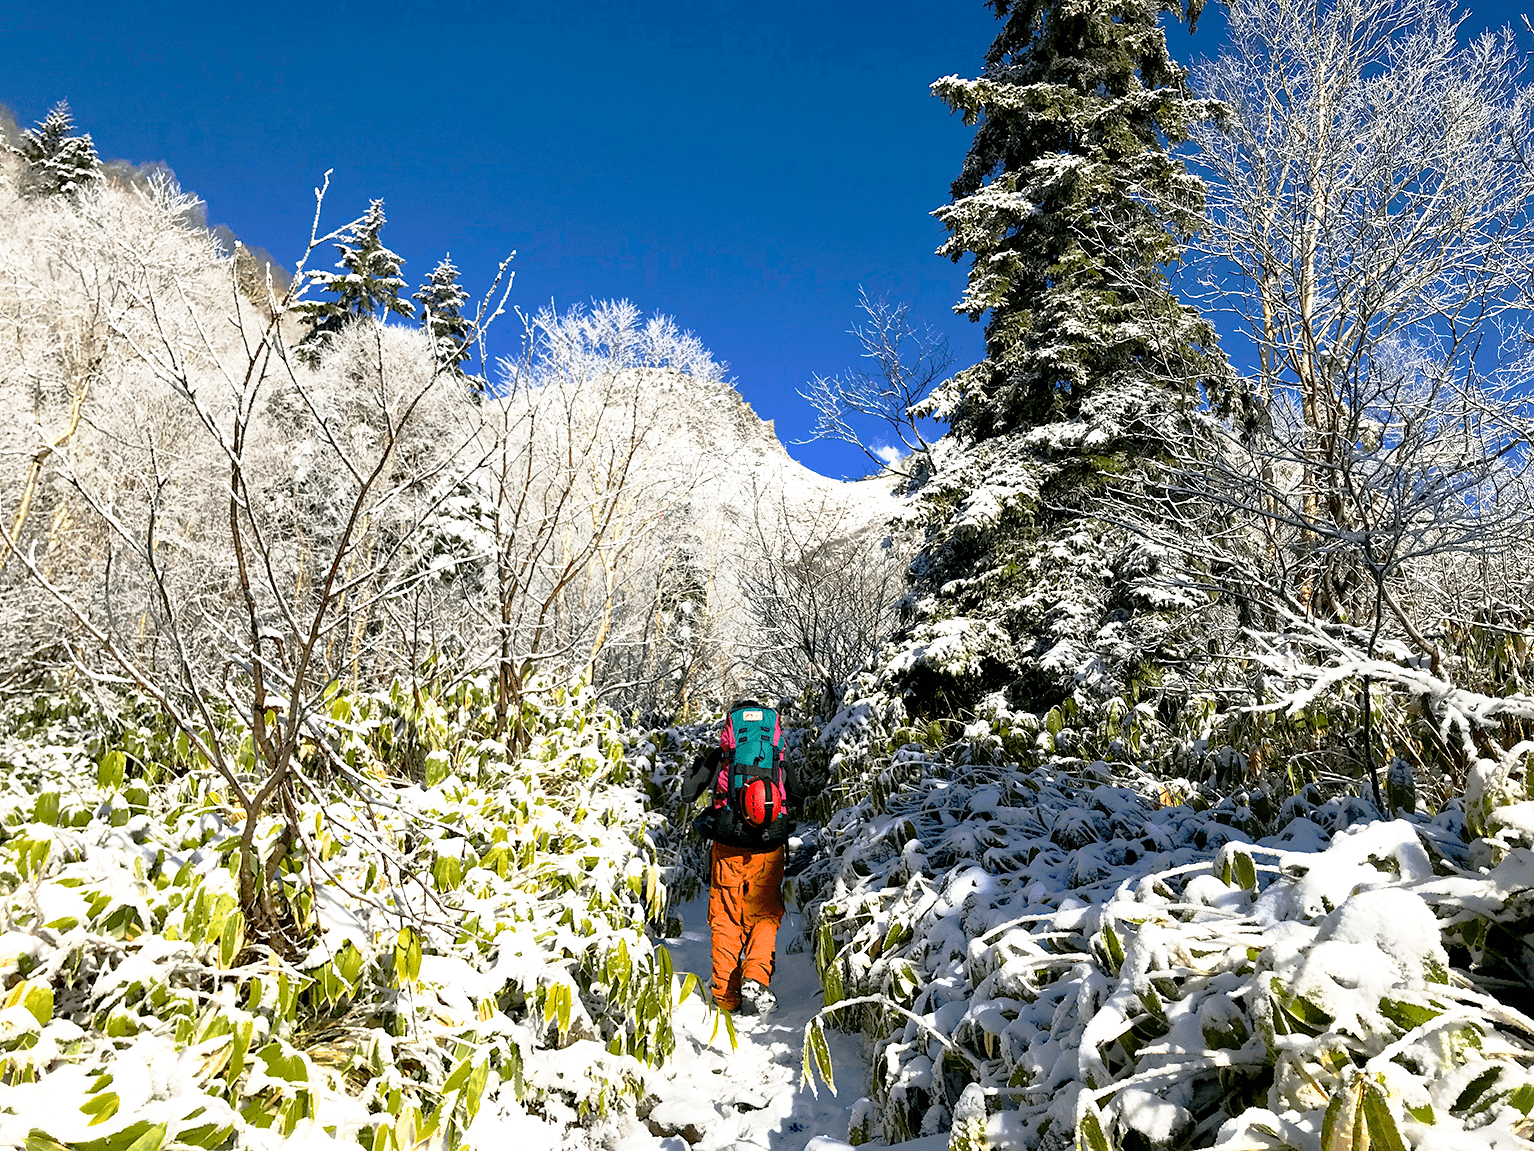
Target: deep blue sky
x,y
740,167
743,168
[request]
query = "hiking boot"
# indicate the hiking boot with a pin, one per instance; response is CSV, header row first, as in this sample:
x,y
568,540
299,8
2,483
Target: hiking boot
x,y
755,999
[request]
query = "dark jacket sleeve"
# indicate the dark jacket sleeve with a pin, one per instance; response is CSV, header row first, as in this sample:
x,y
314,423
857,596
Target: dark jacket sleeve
x,y
793,776
700,777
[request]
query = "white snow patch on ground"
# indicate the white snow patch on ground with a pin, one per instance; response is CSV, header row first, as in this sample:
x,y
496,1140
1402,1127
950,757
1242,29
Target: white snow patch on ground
x,y
752,1096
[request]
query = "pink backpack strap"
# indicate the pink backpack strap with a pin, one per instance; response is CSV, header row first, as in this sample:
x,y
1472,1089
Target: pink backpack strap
x,y
722,783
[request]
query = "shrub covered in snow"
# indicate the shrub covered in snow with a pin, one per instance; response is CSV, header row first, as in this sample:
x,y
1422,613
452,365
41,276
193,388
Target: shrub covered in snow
x,y
479,964
669,755
1115,969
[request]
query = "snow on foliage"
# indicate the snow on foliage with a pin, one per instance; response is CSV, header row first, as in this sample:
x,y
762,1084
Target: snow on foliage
x,y
1117,968
479,966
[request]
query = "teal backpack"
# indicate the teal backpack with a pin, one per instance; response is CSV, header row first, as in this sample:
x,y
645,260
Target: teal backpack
x,y
755,811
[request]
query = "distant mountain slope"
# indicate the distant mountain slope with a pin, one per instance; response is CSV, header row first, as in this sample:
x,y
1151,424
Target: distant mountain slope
x,y
746,465
730,503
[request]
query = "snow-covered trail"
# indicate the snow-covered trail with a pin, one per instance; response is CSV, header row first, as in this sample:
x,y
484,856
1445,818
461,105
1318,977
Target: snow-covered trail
x,y
713,1098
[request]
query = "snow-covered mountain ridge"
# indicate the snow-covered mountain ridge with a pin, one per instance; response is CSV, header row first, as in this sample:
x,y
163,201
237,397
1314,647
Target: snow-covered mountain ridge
x,y
743,570
710,429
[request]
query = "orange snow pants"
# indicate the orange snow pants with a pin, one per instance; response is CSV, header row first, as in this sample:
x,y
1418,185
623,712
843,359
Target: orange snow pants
x,y
745,906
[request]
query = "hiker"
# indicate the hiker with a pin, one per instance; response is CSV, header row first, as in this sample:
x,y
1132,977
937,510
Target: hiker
x,y
748,822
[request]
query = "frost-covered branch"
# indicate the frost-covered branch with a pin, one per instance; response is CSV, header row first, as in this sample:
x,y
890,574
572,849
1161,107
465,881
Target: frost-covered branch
x,y
907,363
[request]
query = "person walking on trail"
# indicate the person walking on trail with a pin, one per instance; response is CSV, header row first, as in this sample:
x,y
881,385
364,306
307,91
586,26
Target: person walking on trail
x,y
748,822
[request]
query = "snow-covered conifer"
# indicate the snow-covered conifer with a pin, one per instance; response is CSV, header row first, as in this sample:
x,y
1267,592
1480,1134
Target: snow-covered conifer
x,y
59,163
368,283
1071,206
442,299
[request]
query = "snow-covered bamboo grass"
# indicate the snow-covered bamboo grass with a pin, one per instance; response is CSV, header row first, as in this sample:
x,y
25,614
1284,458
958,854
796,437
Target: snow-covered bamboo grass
x,y
480,962
1119,968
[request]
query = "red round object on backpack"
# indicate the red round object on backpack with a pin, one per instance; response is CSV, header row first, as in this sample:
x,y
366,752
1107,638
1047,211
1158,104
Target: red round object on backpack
x,y
761,802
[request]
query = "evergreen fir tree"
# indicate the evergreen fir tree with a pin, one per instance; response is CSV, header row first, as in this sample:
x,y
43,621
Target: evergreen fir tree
x,y
1071,207
368,284
442,299
58,162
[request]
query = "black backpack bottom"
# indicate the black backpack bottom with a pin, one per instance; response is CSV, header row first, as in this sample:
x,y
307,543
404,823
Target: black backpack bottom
x,y
728,828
